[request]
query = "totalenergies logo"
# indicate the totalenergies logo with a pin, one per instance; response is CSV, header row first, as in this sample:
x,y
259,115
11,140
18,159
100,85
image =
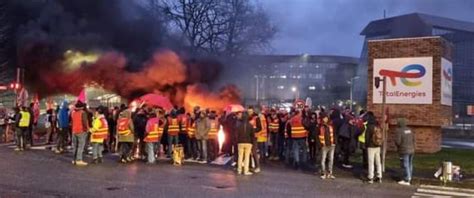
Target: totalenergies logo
x,y
411,72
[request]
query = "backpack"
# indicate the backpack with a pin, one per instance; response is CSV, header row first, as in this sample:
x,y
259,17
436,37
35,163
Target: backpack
x,y
377,136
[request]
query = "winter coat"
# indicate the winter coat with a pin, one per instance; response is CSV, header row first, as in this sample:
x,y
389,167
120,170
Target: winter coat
x,y
405,139
369,132
345,129
203,126
63,115
139,124
244,130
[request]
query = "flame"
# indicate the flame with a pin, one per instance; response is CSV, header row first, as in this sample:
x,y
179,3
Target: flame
x,y
220,137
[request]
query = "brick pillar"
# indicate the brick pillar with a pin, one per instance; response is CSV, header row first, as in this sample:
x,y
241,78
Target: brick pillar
x,y
419,102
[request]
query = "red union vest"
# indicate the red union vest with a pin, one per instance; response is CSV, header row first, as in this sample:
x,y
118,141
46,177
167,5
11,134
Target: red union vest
x,y
154,130
274,125
173,126
322,132
100,134
76,119
123,127
297,129
214,130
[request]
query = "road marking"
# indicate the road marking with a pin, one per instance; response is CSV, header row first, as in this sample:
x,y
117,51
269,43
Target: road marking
x,y
441,191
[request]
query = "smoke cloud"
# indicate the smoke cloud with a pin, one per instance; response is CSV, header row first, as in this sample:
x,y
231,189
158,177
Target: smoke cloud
x,y
127,48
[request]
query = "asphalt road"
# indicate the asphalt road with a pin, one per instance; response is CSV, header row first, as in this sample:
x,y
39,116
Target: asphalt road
x,y
40,173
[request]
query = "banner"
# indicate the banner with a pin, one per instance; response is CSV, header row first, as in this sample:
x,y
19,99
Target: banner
x,y
446,82
409,80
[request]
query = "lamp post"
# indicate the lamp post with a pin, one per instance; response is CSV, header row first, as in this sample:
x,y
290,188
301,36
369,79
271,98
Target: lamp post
x,y
384,121
352,87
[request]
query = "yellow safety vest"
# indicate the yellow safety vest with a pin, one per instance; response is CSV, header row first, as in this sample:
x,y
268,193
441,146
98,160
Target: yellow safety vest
x,y
25,119
362,136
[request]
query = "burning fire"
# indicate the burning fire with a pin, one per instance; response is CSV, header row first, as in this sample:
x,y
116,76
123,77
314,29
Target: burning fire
x,y
220,137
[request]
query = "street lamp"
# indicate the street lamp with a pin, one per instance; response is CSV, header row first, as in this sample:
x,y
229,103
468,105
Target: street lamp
x,y
351,82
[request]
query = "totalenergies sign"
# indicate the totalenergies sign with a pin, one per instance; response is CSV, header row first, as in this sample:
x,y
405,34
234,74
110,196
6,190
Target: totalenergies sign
x,y
409,80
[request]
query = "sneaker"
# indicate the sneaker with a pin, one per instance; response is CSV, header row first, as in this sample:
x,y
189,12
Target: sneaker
x,y
331,176
248,173
57,151
234,163
323,176
73,162
123,160
403,182
81,163
257,170
370,181
129,159
202,161
347,166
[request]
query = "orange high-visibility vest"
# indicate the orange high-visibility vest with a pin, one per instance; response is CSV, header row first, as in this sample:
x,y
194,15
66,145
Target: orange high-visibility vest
x,y
322,132
100,130
274,125
297,129
262,134
214,130
123,127
191,128
173,126
154,132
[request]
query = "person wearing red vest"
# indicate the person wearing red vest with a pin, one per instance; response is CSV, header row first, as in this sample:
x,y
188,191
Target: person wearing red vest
x,y
99,133
153,133
125,132
183,131
297,134
257,126
191,133
80,127
172,127
212,137
273,128
328,145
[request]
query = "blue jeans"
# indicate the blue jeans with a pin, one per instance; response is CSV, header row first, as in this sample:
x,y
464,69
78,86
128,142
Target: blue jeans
x,y
408,166
78,143
151,147
299,144
97,149
202,144
172,139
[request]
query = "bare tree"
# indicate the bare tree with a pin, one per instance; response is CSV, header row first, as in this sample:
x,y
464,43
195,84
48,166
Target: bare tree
x,y
220,27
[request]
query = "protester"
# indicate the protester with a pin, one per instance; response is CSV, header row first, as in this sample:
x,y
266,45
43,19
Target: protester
x,y
48,126
172,127
262,138
298,135
373,150
328,146
405,142
99,132
22,122
273,127
154,131
64,127
257,127
311,125
29,135
346,139
191,132
212,138
245,137
80,127
203,126
125,131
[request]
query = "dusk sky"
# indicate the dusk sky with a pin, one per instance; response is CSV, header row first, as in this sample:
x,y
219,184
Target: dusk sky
x,y
332,27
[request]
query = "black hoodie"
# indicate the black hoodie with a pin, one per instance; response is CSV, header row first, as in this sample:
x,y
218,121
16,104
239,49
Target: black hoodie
x,y
244,130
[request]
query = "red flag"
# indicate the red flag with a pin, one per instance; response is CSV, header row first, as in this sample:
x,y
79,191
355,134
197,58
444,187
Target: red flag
x,y
82,96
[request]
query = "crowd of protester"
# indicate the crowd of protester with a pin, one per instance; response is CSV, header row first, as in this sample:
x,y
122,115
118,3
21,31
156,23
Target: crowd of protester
x,y
300,138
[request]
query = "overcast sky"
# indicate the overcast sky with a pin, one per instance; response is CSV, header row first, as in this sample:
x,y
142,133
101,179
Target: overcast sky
x,y
332,27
